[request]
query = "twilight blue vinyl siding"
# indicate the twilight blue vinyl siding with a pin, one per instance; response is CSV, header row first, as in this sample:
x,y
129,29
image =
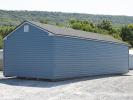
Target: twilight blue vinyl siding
x,y
40,53
28,54
76,57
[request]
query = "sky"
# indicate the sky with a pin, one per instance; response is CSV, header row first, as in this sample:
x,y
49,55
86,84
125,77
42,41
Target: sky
x,y
106,7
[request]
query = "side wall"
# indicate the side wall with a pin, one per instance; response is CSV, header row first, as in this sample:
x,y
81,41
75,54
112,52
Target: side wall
x,y
76,58
28,54
130,61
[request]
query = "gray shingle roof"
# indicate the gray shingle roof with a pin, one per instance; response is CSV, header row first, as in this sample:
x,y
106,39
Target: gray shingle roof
x,y
63,31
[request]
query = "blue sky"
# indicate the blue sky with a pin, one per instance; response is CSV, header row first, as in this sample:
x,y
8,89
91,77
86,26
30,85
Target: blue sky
x,y
107,7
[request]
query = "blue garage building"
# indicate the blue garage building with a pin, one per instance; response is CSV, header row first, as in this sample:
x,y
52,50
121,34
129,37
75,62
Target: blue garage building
x,y
36,50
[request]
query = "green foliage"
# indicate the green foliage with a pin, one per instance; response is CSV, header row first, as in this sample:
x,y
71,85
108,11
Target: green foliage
x,y
105,27
83,25
130,26
124,33
80,25
16,17
4,31
127,34
44,21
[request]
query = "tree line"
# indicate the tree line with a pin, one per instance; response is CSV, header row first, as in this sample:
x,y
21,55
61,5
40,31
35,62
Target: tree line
x,y
16,17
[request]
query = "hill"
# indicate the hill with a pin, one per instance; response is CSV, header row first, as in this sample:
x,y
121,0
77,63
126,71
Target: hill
x,y
119,27
15,17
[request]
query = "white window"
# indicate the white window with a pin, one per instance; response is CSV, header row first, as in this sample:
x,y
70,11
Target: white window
x,y
26,28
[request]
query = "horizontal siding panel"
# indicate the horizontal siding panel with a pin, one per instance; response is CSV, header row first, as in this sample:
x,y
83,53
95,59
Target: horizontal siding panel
x,y
75,58
29,54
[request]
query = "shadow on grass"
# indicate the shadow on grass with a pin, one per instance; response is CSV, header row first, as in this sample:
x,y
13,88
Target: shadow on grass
x,y
48,84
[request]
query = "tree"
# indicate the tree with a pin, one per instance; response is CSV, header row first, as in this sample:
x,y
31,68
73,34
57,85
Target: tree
x,y
5,30
43,21
103,28
82,25
127,34
106,25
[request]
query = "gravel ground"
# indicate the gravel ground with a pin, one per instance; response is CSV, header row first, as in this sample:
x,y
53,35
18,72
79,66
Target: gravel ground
x,y
118,87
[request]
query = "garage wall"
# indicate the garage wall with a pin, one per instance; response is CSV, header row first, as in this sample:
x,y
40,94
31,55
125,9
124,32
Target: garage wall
x,y
28,54
76,57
